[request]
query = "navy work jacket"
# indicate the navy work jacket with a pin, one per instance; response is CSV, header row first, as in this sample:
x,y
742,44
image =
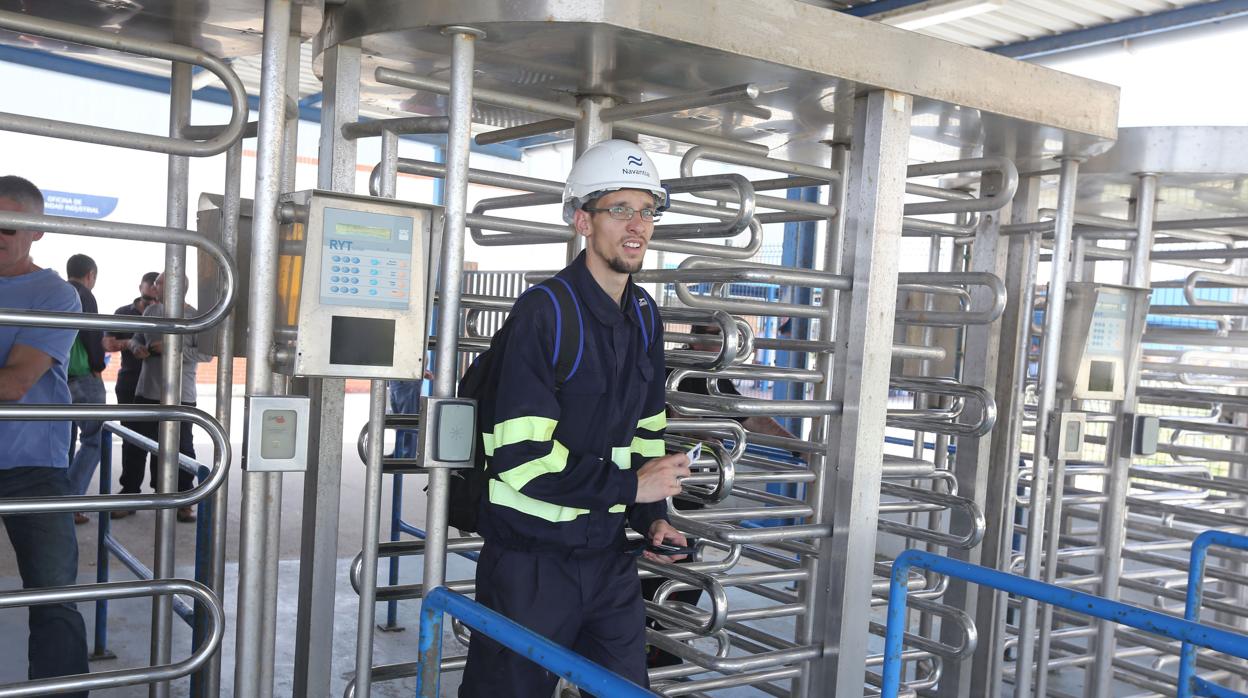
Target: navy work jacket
x,y
562,460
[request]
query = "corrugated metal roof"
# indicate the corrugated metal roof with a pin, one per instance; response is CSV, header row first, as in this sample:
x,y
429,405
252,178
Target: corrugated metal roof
x,y
1021,20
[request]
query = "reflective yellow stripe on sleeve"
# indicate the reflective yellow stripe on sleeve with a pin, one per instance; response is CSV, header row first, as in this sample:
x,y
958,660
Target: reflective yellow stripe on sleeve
x,y
553,462
513,431
622,456
650,448
654,422
503,495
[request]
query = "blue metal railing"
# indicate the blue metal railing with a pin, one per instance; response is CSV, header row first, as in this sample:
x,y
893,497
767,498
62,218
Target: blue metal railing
x,y
552,657
1188,631
107,545
1189,683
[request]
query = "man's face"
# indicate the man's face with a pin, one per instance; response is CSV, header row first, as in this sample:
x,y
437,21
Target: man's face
x,y
158,288
15,245
147,289
620,244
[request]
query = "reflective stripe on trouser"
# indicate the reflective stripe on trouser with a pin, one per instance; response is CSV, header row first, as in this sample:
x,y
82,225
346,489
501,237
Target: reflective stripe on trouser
x,y
590,603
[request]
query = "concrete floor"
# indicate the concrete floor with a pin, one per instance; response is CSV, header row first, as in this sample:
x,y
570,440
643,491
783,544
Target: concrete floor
x,y
129,620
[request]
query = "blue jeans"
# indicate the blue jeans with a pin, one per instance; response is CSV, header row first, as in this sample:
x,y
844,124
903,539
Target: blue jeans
x,y
405,399
86,390
46,548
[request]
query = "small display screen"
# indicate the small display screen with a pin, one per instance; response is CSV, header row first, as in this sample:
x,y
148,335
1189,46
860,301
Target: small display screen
x,y
361,341
367,231
1101,376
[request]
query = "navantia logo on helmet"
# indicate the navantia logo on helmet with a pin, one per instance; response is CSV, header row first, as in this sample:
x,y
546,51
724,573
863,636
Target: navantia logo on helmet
x,y
634,160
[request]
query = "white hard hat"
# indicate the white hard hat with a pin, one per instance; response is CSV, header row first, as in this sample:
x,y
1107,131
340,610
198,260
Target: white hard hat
x,y
610,166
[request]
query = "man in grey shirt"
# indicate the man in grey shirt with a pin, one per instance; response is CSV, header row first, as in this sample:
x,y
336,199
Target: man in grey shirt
x,y
150,348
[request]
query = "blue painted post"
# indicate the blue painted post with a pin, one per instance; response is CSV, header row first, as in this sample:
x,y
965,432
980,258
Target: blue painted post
x,y
203,570
101,547
396,529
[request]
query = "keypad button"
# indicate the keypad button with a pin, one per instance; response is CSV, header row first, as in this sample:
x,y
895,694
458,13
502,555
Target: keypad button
x,y
337,258
372,282
355,260
372,291
333,289
355,291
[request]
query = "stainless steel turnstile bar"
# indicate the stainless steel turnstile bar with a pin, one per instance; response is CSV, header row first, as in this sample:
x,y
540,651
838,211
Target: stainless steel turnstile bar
x,y
252,653
181,55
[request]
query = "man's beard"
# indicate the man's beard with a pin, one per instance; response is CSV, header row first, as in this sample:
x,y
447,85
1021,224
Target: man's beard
x,y
619,266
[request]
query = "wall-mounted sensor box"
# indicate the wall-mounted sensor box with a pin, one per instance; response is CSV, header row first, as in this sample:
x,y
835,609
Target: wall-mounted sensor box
x,y
1071,430
352,285
277,434
448,433
1101,331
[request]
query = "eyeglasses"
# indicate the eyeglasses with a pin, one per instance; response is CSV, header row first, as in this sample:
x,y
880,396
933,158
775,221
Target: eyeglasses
x,y
625,213
8,231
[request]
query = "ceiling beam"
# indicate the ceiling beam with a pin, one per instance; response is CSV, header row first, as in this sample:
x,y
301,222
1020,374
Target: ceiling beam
x,y
1113,32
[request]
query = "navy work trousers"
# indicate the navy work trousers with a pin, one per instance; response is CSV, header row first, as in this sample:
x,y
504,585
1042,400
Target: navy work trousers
x,y
46,548
587,602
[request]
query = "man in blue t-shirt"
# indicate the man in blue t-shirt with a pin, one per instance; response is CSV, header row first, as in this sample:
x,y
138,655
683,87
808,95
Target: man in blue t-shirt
x,y
35,457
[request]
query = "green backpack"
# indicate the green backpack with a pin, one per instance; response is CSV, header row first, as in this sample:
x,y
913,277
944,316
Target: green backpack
x,y
79,364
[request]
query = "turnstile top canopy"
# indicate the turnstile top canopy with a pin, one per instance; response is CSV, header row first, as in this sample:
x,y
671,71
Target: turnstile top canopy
x,y
799,54
1202,171
224,28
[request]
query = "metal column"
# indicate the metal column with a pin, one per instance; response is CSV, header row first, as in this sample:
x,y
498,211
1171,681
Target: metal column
x,y
997,550
256,564
322,484
590,130
1113,534
847,496
163,561
1054,310
452,266
972,463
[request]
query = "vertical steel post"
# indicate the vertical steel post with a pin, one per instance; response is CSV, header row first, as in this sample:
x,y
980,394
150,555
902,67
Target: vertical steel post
x,y
1113,534
973,460
322,483
463,48
163,560
848,495
1055,307
256,563
590,130
1022,267
210,677
806,630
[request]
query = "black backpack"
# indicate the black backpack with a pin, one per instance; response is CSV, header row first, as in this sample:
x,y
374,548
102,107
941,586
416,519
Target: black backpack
x,y
480,382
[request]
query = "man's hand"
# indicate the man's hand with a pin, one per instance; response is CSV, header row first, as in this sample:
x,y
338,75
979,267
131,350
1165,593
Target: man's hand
x,y
662,532
660,478
139,350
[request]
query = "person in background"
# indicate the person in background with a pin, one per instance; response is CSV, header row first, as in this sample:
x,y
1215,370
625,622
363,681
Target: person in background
x,y
86,364
132,457
35,456
150,348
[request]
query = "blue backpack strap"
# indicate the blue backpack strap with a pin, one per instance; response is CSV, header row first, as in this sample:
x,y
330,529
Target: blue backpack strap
x,y
651,330
570,329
